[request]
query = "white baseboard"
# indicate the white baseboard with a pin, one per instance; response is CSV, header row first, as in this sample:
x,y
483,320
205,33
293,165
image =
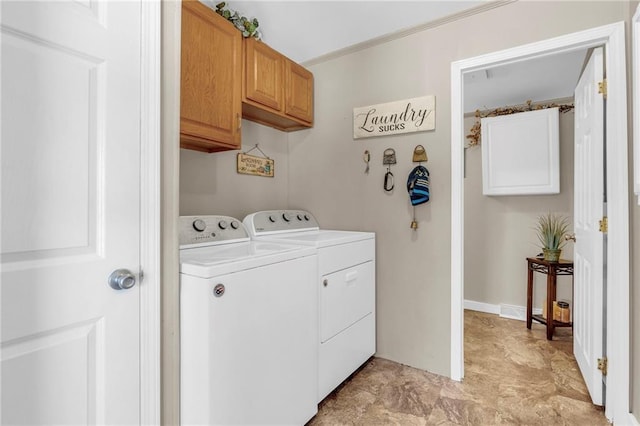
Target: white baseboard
x,y
513,312
482,307
504,310
632,420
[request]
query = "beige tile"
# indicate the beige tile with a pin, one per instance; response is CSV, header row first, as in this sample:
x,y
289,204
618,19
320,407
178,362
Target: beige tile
x,y
513,376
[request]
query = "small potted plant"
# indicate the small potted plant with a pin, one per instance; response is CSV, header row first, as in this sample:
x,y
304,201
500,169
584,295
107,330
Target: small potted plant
x,y
551,229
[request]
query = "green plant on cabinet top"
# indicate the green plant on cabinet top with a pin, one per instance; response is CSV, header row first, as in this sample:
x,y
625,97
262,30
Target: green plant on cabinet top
x,y
218,88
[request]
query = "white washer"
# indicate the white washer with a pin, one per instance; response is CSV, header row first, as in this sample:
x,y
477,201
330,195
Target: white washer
x,y
248,327
346,287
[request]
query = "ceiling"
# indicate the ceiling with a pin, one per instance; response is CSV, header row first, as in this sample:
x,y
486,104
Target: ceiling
x,y
305,30
538,79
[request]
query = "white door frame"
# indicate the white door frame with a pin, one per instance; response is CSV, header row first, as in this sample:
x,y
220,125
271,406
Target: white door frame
x,y
150,191
613,38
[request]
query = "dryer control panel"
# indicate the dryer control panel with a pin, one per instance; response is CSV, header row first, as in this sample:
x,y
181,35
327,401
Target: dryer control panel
x,y
210,230
278,221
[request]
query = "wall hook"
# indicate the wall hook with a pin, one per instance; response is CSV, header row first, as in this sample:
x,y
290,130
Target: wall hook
x,y
419,154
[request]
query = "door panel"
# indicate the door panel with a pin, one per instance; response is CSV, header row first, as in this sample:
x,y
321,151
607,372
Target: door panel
x,y
70,211
346,296
588,210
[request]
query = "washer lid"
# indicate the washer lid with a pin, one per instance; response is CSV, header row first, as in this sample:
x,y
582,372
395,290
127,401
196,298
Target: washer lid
x,y
320,238
210,261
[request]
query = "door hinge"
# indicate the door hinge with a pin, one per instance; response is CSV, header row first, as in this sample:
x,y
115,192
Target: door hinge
x,y
604,224
602,88
602,365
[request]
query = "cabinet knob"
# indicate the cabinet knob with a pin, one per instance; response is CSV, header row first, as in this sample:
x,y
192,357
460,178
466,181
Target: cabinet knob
x,y
571,237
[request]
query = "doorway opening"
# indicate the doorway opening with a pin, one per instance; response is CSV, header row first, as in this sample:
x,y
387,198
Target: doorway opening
x,y
617,255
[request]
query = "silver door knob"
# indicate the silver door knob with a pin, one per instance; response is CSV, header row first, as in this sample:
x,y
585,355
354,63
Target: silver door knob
x,y
122,279
571,237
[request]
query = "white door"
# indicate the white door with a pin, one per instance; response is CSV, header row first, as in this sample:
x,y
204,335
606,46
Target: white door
x,y
589,201
70,211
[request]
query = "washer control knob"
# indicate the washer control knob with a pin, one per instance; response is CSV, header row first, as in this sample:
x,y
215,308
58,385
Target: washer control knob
x,y
286,216
306,217
222,224
234,224
199,225
272,218
300,216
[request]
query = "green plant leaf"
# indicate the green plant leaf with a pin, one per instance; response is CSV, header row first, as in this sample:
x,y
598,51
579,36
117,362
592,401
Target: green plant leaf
x,y
551,229
248,28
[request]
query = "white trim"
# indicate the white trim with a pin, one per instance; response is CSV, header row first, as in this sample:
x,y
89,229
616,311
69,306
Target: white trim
x,y
150,213
618,233
612,36
487,308
514,312
457,222
631,420
635,70
503,310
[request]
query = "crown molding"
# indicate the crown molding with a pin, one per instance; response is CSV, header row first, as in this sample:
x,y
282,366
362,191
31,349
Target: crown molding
x,y
489,5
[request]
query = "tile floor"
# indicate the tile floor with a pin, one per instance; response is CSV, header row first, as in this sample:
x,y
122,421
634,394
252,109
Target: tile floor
x,y
512,376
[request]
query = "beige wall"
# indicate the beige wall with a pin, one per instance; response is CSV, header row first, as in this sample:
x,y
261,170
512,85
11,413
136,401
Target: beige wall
x,y
209,183
499,231
327,173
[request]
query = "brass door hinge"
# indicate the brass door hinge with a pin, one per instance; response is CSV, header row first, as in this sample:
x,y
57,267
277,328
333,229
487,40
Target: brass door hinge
x,y
604,224
602,88
602,365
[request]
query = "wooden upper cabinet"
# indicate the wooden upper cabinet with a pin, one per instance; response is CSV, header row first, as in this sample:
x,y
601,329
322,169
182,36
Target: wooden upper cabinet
x,y
264,74
299,90
211,80
276,91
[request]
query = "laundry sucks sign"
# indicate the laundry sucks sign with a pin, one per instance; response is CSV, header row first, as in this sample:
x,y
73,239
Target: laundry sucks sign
x,y
411,115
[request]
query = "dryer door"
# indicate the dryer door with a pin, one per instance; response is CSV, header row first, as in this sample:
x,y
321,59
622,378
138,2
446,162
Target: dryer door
x,y
346,296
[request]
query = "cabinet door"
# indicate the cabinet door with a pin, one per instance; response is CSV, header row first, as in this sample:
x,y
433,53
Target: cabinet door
x,y
210,98
264,74
299,89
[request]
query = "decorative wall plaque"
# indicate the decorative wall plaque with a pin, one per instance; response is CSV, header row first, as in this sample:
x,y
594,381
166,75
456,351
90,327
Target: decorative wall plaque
x,y
410,115
257,166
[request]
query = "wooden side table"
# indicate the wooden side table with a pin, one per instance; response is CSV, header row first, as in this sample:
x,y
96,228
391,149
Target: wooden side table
x,y
552,270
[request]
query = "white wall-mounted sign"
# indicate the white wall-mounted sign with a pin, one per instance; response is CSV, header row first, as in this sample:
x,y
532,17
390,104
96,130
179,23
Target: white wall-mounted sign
x,y
410,115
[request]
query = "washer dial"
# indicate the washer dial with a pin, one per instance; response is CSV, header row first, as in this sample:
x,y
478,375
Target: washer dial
x,y
199,225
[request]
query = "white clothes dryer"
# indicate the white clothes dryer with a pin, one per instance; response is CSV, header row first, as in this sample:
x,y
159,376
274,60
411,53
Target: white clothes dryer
x,y
345,285
248,326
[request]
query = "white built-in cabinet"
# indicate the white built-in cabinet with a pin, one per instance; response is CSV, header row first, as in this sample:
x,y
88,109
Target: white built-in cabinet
x,y
521,153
